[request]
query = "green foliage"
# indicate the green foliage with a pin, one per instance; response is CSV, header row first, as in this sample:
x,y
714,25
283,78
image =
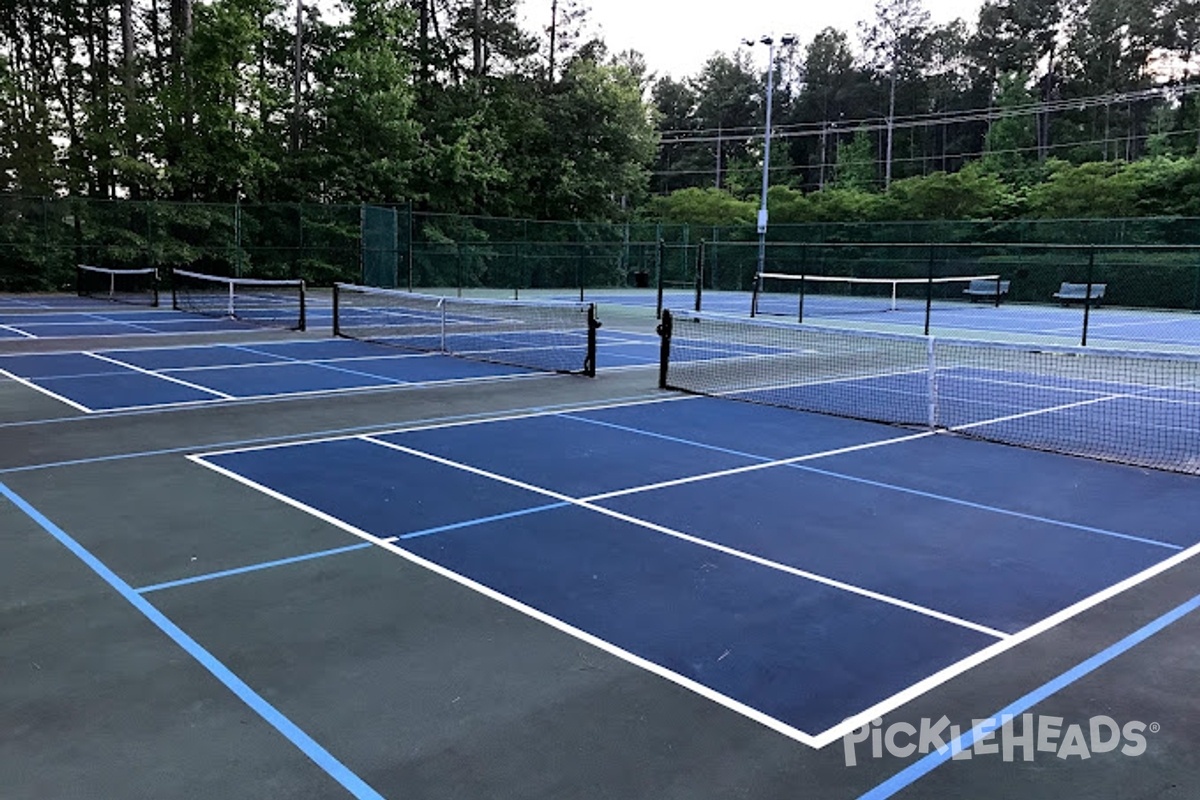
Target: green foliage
x,y
855,167
1096,189
970,193
1011,139
701,207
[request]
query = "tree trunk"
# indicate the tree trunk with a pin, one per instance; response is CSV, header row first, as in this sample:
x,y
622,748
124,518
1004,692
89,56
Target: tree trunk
x,y
477,39
297,68
129,87
553,37
891,123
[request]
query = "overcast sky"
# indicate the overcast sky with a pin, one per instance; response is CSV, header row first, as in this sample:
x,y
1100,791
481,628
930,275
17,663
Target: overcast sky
x,y
677,36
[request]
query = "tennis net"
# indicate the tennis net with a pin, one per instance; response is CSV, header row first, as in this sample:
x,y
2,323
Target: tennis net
x,y
134,286
270,303
1133,408
798,296
549,336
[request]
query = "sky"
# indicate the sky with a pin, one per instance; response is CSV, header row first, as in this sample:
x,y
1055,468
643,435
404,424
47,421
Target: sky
x,y
678,36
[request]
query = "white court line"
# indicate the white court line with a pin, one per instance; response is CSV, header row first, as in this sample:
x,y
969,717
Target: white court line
x,y
18,331
311,393
1054,620
759,560
519,415
154,374
755,467
31,385
1095,325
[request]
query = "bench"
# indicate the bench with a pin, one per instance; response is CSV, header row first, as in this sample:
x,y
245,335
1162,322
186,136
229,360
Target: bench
x,y
1078,292
985,290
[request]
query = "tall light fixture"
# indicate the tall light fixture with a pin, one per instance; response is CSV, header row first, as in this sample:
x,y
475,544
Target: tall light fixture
x,y
769,41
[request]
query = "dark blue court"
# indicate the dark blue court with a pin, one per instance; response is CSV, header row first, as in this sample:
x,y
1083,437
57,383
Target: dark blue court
x,y
801,569
90,319
1049,321
122,379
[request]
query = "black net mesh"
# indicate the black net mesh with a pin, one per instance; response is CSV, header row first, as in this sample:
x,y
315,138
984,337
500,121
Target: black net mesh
x,y
269,303
1129,407
550,336
133,286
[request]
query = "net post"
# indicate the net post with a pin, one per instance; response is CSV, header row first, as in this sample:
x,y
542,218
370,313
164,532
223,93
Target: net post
x,y
803,272
928,290
664,352
589,361
303,307
1087,297
699,272
754,289
231,292
442,340
79,280
154,288
337,327
174,290
998,277
579,272
931,381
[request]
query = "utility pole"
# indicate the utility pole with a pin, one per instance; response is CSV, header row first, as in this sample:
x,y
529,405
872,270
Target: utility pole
x,y
769,41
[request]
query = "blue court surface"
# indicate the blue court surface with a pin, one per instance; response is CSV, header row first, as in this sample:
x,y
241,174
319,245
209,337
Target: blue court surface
x,y
807,571
124,379
1054,323
108,320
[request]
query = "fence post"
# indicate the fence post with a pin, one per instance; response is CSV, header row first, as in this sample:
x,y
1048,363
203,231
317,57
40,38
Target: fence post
x,y
928,288
1087,297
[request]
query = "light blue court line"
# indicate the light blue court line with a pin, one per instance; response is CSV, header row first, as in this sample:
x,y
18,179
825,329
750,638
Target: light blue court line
x,y
481,521
225,573
281,562
359,373
881,485
297,438
923,767
355,785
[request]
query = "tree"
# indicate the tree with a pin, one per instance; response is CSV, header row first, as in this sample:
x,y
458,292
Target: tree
x,y
729,103
610,147
897,46
855,167
1012,137
368,140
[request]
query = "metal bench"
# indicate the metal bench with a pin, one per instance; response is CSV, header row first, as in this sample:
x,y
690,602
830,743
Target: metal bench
x,y
985,290
1078,292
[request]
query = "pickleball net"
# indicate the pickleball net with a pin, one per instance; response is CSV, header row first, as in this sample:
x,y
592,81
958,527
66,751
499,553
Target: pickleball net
x,y
800,296
1135,408
269,303
133,286
546,336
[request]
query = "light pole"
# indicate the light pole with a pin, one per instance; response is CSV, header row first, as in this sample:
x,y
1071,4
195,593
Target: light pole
x,y
769,41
